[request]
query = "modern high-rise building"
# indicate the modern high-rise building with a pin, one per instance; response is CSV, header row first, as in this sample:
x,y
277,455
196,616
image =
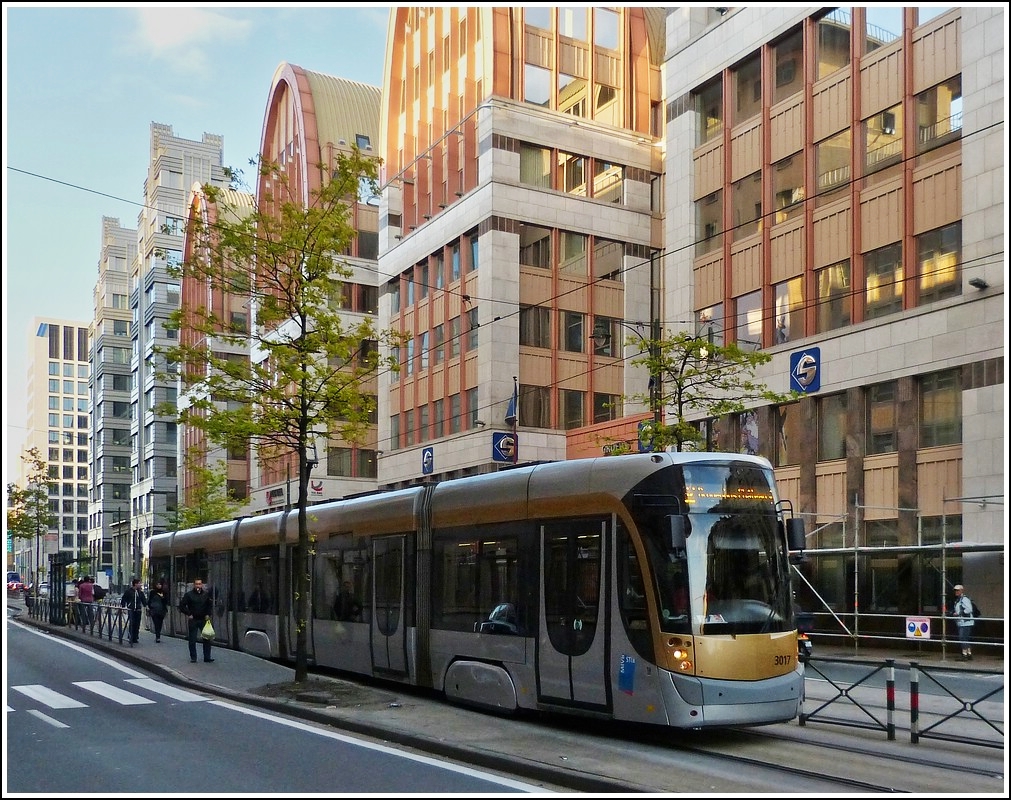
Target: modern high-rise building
x,y
110,407
57,421
176,164
834,196
310,118
522,209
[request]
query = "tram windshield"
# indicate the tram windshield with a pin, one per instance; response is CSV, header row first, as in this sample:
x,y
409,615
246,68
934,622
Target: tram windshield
x,y
722,567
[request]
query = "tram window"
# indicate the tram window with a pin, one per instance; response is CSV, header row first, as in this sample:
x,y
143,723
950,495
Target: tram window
x,y
477,580
745,587
258,581
632,595
334,569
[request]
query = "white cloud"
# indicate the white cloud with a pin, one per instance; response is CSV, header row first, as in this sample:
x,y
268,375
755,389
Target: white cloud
x,y
181,35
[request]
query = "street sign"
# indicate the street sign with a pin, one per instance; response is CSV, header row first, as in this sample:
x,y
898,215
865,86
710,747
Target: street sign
x,y
917,627
504,447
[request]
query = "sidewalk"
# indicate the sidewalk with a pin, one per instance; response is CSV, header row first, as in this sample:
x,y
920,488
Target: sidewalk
x,y
411,718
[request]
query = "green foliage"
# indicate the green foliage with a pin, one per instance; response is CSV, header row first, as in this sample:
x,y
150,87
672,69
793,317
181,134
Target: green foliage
x,y
283,258
28,512
700,378
28,506
208,500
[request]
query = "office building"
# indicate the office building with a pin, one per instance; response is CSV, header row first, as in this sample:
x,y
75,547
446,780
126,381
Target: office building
x,y
110,408
835,196
57,421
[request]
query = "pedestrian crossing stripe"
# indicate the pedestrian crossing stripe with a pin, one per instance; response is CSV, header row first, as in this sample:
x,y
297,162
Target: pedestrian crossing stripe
x,y
56,700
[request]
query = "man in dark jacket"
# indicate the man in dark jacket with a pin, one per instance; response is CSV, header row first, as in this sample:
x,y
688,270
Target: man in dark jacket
x,y
197,605
134,599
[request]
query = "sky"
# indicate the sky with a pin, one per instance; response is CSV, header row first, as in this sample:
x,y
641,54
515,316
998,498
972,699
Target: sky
x,y
82,84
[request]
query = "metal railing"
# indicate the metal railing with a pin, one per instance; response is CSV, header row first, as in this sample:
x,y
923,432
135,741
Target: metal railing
x,y
957,712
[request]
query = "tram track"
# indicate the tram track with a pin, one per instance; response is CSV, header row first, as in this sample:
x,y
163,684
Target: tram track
x,y
783,758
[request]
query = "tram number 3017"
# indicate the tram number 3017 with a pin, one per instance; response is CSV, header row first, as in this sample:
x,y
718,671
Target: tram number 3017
x,y
781,660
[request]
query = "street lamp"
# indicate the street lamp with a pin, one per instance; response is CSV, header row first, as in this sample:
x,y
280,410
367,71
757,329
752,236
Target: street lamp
x,y
602,338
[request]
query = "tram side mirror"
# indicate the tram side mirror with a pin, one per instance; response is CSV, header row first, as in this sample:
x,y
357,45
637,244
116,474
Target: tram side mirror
x,y
678,533
796,536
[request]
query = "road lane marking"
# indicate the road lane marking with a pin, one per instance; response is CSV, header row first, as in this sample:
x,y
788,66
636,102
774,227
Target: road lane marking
x,y
152,685
47,696
110,692
48,719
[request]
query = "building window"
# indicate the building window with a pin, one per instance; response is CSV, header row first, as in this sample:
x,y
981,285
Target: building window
x,y
940,409
789,310
883,139
535,326
472,329
883,276
606,407
790,435
472,407
573,331
455,416
572,408
338,462
746,206
536,85
608,181
832,162
832,427
572,173
535,406
882,418
438,418
537,16
788,63
607,259
835,301
572,259
748,330
535,166
938,254
535,246
454,337
423,420
438,344
883,26
788,187
747,84
709,219
834,41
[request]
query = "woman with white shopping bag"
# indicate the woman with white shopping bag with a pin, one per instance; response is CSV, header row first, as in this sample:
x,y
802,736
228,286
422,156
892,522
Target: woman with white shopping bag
x,y
197,605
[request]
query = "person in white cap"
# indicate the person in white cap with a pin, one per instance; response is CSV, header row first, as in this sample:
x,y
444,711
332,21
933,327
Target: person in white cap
x,y
962,611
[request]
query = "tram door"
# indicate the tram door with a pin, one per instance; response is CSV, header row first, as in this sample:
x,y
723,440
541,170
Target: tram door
x,y
571,649
388,629
219,584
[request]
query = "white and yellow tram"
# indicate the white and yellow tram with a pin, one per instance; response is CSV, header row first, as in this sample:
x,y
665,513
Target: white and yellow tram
x,y
652,588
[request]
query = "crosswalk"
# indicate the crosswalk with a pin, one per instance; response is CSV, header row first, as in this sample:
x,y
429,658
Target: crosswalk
x,y
98,691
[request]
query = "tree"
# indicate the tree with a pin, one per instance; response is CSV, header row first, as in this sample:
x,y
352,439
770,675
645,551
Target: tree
x,y
28,514
308,360
208,500
698,376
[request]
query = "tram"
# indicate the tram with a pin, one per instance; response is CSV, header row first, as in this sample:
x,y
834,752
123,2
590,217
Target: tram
x,y
652,588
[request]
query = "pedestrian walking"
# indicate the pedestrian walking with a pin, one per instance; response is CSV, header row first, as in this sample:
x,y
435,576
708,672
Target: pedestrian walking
x,y
157,607
86,600
962,611
135,600
197,605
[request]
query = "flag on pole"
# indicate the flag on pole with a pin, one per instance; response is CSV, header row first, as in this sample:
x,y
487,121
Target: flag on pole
x,y
512,412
